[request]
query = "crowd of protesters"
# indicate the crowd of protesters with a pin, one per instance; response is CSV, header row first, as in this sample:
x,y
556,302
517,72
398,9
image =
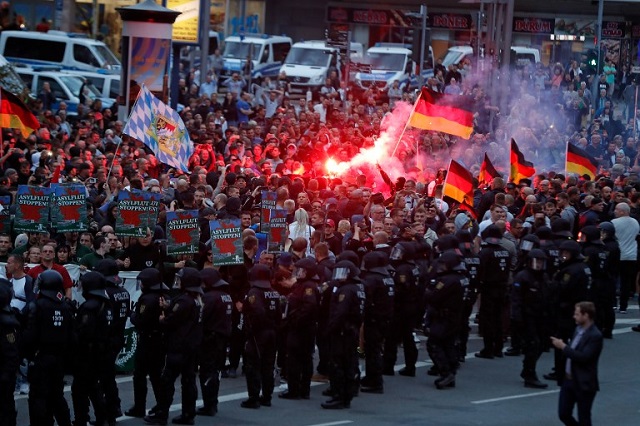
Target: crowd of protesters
x,y
258,138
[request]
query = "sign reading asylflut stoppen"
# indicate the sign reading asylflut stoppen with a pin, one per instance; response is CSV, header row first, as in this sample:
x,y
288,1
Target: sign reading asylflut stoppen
x,y
226,242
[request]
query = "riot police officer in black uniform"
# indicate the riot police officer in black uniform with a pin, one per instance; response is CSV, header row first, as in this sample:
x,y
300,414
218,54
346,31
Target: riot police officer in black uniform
x,y
406,308
345,319
95,328
48,342
493,276
121,305
181,322
300,319
262,314
608,315
443,299
378,313
530,313
149,357
597,257
216,324
470,291
9,355
571,284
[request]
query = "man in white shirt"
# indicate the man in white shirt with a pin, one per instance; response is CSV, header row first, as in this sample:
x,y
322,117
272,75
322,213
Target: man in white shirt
x,y
627,229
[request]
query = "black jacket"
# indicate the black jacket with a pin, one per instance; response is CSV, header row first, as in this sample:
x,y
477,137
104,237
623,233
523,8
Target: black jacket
x,y
584,360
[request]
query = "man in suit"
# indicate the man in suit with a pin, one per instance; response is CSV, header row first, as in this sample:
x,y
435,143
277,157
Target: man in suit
x,y
579,380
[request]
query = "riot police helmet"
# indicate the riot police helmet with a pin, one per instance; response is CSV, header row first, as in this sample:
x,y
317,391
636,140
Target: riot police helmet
x,y
608,229
446,242
345,270
449,262
190,280
94,284
211,278
49,283
150,279
544,233
529,242
591,234
375,261
465,238
305,269
537,259
492,234
570,247
349,255
260,276
403,251
561,228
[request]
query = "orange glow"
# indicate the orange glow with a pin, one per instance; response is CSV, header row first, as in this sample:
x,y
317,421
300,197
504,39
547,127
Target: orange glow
x,y
334,168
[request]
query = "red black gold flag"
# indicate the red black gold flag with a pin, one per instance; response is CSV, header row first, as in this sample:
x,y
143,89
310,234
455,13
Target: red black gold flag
x,y
14,114
520,168
459,185
580,162
442,113
487,172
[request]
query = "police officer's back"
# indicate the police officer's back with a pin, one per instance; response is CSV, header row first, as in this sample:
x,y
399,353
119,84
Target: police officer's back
x,y
9,354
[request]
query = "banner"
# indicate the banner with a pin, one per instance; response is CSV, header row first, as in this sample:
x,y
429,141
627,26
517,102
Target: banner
x,y
69,208
183,232
268,203
32,209
226,242
137,211
5,214
277,231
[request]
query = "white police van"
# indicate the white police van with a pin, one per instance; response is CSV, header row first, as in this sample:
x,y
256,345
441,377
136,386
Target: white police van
x,y
107,84
267,53
309,63
57,48
387,62
65,87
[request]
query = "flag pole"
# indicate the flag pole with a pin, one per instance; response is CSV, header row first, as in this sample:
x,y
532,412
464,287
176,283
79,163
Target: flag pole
x,y
566,156
446,178
406,125
113,161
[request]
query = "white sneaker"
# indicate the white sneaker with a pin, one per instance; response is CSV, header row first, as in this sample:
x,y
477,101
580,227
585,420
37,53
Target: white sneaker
x,y
24,389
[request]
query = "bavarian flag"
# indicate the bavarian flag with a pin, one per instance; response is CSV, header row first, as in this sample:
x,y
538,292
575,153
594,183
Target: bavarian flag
x,y
487,172
14,114
442,113
520,168
459,185
580,162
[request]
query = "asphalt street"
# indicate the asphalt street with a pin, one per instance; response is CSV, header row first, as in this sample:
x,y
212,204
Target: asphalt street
x,y
487,392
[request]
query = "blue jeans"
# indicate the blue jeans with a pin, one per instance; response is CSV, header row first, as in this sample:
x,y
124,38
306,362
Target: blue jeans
x,y
570,395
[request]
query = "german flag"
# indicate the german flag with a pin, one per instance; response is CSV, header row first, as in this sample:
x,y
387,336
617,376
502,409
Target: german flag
x,y
580,162
15,115
520,168
459,185
442,113
487,172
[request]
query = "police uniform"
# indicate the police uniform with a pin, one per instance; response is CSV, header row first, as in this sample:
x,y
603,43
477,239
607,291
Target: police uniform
x,y
343,328
216,324
262,314
182,325
470,288
9,355
405,313
94,328
150,350
121,305
530,313
597,257
611,243
49,341
443,299
495,263
301,317
378,313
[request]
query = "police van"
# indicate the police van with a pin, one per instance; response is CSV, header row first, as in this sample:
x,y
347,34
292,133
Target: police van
x,y
65,87
309,63
107,84
266,52
520,55
57,48
388,62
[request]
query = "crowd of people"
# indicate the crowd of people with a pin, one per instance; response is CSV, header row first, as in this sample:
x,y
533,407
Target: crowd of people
x,y
363,267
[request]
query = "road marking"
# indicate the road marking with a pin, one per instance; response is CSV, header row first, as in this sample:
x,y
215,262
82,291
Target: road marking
x,y
342,422
507,398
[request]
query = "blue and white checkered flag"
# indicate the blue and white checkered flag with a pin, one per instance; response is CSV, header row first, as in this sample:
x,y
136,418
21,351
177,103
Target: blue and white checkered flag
x,y
160,128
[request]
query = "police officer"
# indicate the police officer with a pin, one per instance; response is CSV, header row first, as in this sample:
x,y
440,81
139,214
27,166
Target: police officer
x,y
493,277
181,322
94,328
49,341
597,257
150,352
530,313
443,298
406,308
608,235
262,314
378,313
571,284
9,355
345,319
216,324
470,291
301,317
121,304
